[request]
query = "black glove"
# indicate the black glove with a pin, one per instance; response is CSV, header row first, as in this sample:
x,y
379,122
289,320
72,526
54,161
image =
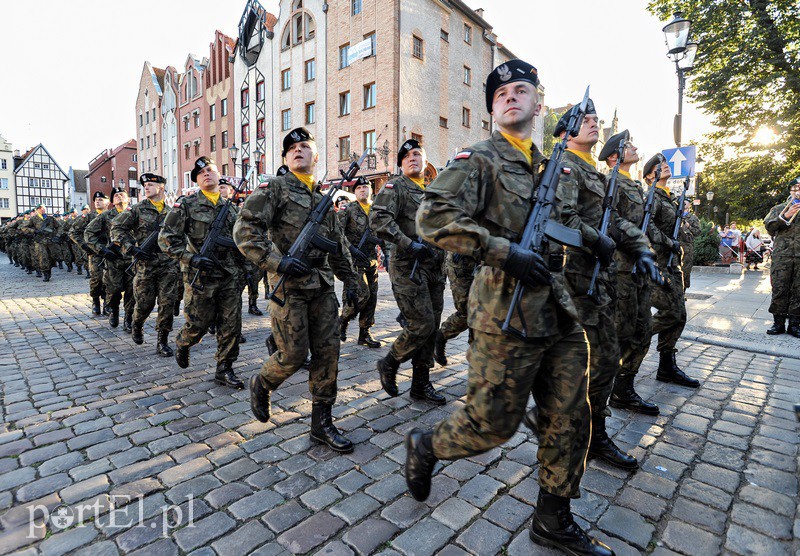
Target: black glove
x,y
87,249
675,247
646,263
293,267
358,256
420,251
603,249
527,266
108,254
203,263
141,254
351,296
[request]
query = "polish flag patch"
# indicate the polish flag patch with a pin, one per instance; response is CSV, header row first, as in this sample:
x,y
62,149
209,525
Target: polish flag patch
x,y
567,171
176,205
463,155
263,185
389,186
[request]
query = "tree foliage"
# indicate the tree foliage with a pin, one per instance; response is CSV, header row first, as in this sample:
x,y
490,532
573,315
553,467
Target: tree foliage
x,y
549,142
706,245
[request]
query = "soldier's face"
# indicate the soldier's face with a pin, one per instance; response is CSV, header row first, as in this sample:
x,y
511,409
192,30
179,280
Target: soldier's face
x,y
224,190
208,178
631,152
121,199
515,105
153,190
589,133
362,193
414,163
302,157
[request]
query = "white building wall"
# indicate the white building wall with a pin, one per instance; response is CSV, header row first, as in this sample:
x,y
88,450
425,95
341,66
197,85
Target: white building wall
x,y
7,190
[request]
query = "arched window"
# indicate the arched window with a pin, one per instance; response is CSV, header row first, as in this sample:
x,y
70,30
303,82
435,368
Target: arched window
x,y
300,27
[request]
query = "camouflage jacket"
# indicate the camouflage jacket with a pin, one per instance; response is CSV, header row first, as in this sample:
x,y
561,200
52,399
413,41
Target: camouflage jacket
x,y
44,228
132,228
354,221
477,207
630,207
272,218
79,227
785,239
690,229
665,210
98,232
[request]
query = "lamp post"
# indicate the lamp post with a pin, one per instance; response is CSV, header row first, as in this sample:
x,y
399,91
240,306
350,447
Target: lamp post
x,y
710,197
683,53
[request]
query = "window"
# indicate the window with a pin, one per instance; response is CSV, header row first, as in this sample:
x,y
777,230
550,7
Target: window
x,y
467,76
224,139
344,103
261,128
197,148
197,119
3,164
445,35
465,117
245,97
148,141
224,169
369,96
245,165
48,201
286,79
213,143
186,124
246,133
3,183
104,179
212,112
467,34
47,166
417,137
344,50
4,203
369,141
147,117
344,148
442,122
155,167
484,124
154,114
186,151
141,143
418,47
260,90
311,69
224,106
154,140
356,7
37,165
372,43
141,120
286,120
33,182
310,113
134,158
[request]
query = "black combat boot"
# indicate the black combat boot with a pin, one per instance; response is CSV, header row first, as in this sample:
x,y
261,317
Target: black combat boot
x,y
242,339
226,377
779,327
307,363
387,369
366,339
96,306
272,347
176,310
46,276
602,447
162,346
79,269
421,387
343,330
127,322
668,371
420,462
137,334
88,275
531,419
106,308
554,526
69,267
625,397
60,265
402,320
182,356
113,317
439,345
212,328
794,327
259,398
38,273
254,310
324,431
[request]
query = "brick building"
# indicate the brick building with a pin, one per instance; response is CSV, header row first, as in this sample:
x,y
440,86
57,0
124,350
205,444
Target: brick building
x,y
115,168
218,90
170,134
149,119
192,117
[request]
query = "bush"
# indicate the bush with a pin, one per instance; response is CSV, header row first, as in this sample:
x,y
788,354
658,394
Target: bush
x,y
706,244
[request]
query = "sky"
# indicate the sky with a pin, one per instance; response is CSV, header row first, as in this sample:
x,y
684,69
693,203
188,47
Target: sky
x,y
71,68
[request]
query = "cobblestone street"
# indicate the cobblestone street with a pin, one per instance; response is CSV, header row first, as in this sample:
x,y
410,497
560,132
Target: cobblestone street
x,y
91,419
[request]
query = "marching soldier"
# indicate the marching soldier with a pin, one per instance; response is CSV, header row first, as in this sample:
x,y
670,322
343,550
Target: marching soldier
x,y
420,299
62,242
77,253
460,272
44,229
784,272
94,270
26,244
157,275
669,320
116,281
690,229
270,221
354,220
478,206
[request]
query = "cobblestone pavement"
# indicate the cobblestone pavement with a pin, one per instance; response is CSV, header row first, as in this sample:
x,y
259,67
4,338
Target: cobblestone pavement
x,y
89,418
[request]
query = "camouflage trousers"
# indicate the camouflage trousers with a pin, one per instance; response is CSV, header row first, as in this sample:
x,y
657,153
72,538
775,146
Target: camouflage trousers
x,y
367,297
669,320
44,256
633,321
603,358
687,260
156,282
309,320
26,253
460,283
422,306
784,275
63,251
220,302
252,278
96,288
503,371
117,283
78,254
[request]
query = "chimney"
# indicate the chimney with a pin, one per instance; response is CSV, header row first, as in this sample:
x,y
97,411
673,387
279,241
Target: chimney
x,y
479,11
16,153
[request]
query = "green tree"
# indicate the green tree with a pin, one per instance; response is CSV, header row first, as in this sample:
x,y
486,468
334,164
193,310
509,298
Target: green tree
x,y
549,142
706,244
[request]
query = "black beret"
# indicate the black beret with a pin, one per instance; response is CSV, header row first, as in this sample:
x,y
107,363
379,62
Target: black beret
x,y
655,160
99,195
224,181
407,146
283,170
199,164
511,71
794,182
148,177
115,190
561,126
613,144
297,135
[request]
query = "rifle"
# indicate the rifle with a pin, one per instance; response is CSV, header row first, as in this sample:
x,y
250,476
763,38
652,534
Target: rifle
x,y
149,245
609,202
676,230
648,204
539,226
367,240
215,238
413,276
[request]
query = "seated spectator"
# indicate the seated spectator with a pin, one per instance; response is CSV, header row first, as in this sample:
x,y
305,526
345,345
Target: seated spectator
x,y
755,249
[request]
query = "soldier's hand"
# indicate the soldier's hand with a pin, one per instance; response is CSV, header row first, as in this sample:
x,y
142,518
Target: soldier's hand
x,y
646,263
603,249
293,267
358,256
203,263
86,248
527,266
675,247
351,296
420,251
141,254
108,254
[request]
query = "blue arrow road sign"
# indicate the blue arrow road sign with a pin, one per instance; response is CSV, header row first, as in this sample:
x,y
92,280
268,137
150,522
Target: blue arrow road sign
x,y
681,160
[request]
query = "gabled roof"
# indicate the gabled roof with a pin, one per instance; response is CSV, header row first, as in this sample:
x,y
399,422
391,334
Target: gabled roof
x,y
28,155
157,77
79,177
130,144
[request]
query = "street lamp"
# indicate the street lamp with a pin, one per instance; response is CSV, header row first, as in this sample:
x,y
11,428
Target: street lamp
x,y
710,197
233,152
683,53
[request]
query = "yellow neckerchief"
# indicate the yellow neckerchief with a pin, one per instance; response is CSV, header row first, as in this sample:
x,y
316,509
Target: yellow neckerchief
x,y
365,207
664,188
307,179
118,209
626,174
419,181
213,197
586,157
522,145
159,205
99,211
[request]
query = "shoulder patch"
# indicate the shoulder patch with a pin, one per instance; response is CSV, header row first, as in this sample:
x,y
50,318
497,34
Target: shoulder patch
x,y
566,171
389,185
463,155
176,205
263,185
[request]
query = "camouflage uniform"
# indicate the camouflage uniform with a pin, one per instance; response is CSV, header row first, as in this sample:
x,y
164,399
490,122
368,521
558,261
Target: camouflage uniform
x,y
64,244
78,254
354,221
25,240
392,217
270,221
12,241
44,229
690,229
185,228
116,281
460,272
156,279
94,263
476,207
784,272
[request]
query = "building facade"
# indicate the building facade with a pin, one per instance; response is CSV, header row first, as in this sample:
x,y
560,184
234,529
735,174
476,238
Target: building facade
x,y
169,134
149,119
218,89
8,194
115,168
192,117
76,188
39,179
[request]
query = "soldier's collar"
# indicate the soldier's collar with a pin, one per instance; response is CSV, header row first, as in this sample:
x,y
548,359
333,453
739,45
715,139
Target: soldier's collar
x,y
509,153
626,174
585,157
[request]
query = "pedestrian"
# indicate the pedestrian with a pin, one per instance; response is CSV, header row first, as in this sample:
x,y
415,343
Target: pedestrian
x,y
784,271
